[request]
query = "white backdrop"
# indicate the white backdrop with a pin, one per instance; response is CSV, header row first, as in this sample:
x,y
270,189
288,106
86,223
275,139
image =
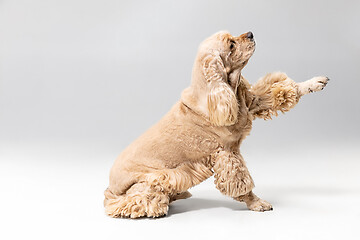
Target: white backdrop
x,y
81,79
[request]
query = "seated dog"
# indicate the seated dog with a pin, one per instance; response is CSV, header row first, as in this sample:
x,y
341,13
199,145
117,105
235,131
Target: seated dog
x,y
201,134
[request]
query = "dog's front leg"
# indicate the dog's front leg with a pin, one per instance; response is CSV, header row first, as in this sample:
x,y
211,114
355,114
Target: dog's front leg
x,y
277,92
232,177
254,203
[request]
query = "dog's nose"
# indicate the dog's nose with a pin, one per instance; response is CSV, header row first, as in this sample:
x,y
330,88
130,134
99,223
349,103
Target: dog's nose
x,y
250,35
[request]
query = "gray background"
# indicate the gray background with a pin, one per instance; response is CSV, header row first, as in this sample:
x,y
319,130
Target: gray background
x,y
80,80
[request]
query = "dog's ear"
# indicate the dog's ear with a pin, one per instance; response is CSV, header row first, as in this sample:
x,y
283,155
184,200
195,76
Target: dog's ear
x,y
221,99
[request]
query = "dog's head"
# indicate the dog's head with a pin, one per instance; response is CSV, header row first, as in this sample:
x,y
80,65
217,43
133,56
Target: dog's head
x,y
216,76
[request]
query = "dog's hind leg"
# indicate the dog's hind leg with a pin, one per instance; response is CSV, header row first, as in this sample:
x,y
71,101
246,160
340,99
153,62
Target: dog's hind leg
x,y
151,195
142,199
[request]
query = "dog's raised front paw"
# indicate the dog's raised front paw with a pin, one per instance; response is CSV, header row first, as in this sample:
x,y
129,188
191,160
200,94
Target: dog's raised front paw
x,y
313,85
317,83
260,206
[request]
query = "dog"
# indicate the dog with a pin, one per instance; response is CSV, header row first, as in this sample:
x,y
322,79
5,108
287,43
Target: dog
x,y
200,136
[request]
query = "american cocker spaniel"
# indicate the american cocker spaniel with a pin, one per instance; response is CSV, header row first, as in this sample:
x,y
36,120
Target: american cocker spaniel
x,y
201,134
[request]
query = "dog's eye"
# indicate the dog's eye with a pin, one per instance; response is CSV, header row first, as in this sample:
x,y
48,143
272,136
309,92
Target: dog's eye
x,y
232,44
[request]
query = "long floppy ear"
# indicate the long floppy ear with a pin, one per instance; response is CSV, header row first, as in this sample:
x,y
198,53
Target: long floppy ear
x,y
221,99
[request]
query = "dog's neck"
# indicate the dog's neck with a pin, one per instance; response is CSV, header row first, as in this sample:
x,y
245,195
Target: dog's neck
x,y
234,78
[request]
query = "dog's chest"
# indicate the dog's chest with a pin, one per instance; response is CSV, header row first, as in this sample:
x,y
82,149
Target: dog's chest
x,y
232,136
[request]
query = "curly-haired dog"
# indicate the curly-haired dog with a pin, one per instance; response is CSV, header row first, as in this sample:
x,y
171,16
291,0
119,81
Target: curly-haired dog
x,y
201,134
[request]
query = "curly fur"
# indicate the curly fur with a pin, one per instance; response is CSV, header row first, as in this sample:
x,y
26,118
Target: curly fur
x,y
277,93
201,134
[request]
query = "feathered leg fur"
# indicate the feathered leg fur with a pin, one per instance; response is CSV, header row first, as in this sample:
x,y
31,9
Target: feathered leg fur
x,y
142,199
232,177
277,92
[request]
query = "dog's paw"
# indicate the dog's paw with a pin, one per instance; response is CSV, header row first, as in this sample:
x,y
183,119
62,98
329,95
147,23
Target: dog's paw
x,y
313,85
156,211
182,195
317,83
260,206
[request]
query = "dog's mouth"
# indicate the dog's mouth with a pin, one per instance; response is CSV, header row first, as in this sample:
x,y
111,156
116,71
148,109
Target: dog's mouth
x,y
251,47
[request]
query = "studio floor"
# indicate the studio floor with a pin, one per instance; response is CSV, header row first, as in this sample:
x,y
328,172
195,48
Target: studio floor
x,y
56,192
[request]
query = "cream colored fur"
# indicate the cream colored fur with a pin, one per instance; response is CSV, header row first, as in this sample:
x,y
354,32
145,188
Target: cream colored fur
x,y
200,136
